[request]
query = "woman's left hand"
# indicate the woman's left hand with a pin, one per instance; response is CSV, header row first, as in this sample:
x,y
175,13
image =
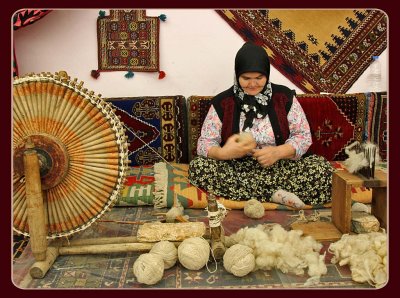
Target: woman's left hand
x,y
266,156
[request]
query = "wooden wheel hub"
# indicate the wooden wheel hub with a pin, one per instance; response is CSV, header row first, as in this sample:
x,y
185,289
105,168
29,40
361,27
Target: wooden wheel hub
x,y
53,159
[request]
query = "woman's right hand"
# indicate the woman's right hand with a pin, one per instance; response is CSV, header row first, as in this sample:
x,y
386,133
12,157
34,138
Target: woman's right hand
x,y
236,147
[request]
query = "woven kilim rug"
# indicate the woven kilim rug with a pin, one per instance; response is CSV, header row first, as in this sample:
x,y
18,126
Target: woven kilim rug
x,y
128,40
154,126
114,270
138,187
318,50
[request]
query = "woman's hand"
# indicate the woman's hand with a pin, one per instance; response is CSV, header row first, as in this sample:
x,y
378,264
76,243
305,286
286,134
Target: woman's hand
x,y
268,155
235,147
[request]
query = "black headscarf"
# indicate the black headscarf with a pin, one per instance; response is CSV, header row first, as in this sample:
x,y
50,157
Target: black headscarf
x,y
252,58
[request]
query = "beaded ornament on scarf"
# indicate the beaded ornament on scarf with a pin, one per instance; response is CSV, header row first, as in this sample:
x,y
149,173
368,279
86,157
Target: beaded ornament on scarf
x,y
262,98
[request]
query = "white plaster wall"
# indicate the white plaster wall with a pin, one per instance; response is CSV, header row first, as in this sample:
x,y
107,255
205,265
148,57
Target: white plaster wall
x,y
197,50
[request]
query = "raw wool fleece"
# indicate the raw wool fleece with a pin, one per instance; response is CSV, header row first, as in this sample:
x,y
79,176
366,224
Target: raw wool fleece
x,y
274,247
366,254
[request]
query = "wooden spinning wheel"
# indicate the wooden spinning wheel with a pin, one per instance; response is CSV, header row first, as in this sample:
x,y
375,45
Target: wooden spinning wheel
x,y
70,158
80,146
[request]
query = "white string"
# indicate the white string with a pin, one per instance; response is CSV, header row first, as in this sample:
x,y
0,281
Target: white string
x,y
167,162
212,254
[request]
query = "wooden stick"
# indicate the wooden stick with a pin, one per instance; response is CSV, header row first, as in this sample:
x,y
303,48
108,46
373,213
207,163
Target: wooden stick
x,y
105,240
105,248
217,246
34,201
39,269
123,222
102,240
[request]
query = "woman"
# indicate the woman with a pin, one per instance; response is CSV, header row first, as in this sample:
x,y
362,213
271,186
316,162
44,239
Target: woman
x,y
272,165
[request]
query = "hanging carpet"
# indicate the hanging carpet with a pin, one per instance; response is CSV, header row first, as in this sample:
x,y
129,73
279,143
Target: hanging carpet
x,y
128,40
318,50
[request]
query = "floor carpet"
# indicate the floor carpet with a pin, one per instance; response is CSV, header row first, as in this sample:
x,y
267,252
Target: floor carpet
x,y
114,270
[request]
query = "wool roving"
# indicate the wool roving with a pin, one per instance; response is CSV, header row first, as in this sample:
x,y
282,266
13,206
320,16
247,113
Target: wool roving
x,y
254,209
193,253
167,251
239,260
148,268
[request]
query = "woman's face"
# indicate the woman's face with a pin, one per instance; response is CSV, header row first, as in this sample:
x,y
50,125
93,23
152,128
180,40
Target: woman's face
x,y
252,83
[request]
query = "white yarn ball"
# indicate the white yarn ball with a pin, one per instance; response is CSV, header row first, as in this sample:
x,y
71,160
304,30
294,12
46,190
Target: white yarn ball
x,y
167,251
254,209
148,268
246,137
239,260
193,253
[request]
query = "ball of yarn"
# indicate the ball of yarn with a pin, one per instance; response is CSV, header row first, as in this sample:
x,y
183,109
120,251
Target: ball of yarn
x,y
148,268
167,251
254,209
193,253
239,260
245,137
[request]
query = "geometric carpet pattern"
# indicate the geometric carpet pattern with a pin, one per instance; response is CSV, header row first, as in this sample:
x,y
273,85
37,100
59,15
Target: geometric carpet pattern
x,y
155,125
324,50
128,40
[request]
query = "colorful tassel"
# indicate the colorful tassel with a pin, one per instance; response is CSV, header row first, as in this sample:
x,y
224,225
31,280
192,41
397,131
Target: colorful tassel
x,y
129,74
102,14
161,75
162,17
95,73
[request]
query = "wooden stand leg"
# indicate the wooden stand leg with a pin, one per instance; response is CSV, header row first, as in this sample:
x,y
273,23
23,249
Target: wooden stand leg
x,y
35,208
39,269
341,203
379,205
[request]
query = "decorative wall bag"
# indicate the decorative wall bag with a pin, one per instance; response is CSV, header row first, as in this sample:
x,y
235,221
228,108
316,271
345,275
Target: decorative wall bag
x,y
128,40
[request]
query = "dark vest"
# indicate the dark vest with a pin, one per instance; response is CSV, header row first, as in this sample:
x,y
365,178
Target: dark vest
x,y
228,110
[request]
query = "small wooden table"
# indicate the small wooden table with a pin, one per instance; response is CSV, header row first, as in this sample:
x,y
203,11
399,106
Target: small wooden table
x,y
342,182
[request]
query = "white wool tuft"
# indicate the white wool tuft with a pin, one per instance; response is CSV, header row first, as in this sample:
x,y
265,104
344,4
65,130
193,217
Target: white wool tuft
x,y
366,255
